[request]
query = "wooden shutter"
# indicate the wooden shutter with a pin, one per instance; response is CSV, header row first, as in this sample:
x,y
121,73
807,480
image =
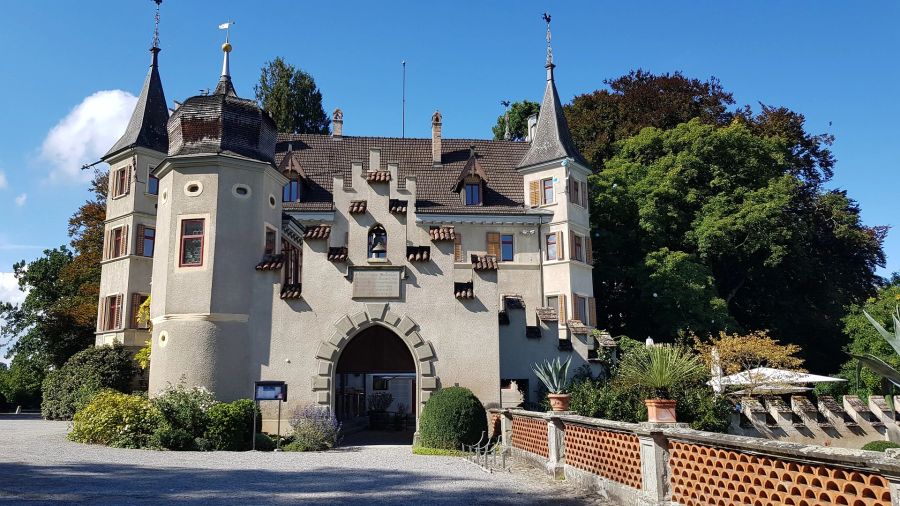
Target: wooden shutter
x,y
127,180
107,243
101,317
135,305
124,250
572,245
562,308
119,311
139,237
534,189
560,249
584,195
493,244
589,249
592,311
576,308
571,186
458,249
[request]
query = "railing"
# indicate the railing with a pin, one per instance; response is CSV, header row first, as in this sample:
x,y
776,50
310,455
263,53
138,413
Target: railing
x,y
655,464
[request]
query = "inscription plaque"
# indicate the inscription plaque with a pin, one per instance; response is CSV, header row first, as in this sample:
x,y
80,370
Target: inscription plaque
x,y
380,284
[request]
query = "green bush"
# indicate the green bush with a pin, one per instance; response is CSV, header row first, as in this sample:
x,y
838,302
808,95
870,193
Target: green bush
x,y
83,375
451,417
880,446
264,443
185,413
116,419
315,429
230,425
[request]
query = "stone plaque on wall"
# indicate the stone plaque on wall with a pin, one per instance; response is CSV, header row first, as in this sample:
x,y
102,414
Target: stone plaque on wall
x,y
376,283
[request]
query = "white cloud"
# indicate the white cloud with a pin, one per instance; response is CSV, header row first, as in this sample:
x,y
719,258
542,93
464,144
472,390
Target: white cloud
x,y
86,134
3,182
9,288
20,200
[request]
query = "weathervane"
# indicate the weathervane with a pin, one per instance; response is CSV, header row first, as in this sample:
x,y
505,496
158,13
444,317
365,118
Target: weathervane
x,y
506,135
549,49
227,27
156,28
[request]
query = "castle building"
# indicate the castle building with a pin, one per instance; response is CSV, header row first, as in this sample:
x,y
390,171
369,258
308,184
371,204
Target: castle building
x,y
344,265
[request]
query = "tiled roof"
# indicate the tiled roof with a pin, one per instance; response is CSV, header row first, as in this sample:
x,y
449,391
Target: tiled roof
x,y
291,291
317,232
338,254
442,233
547,314
290,165
577,327
605,339
357,206
397,206
323,158
270,263
378,176
418,253
464,290
472,168
147,126
484,262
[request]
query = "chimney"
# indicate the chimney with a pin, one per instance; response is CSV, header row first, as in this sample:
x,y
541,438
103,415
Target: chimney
x,y
337,123
436,138
532,125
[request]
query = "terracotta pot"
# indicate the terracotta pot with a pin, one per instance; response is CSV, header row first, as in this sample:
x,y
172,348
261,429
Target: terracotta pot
x,y
660,410
559,402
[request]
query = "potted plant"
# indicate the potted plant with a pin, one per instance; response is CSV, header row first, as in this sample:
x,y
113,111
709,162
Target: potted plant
x,y
658,369
554,376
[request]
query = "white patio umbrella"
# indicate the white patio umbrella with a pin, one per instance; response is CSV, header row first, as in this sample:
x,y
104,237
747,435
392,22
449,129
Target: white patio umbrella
x,y
769,380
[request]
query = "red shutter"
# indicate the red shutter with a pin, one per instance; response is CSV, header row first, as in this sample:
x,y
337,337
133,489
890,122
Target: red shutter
x,y
119,311
493,244
534,189
589,253
135,305
125,240
562,309
560,248
458,249
139,237
592,311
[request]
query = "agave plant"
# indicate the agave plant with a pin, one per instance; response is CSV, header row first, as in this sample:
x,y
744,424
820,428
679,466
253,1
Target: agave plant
x,y
880,367
659,368
554,374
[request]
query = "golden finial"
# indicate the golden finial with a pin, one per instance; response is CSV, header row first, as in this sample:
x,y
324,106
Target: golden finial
x,y
226,47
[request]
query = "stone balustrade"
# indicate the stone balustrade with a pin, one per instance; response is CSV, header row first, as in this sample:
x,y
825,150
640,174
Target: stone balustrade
x,y
670,464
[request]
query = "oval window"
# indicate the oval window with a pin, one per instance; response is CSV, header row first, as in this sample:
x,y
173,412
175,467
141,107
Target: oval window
x,y
163,339
272,200
241,191
193,188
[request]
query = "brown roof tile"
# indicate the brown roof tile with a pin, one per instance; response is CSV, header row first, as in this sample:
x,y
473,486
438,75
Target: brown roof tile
x,y
442,233
397,206
357,206
270,263
291,291
605,339
547,314
464,290
378,176
338,254
317,232
418,253
577,327
484,262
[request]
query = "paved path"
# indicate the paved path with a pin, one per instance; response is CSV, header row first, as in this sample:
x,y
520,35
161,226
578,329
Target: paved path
x,y
38,465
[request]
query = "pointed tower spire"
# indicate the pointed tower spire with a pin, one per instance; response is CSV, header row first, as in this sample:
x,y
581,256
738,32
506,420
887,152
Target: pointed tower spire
x,y
225,87
147,126
552,140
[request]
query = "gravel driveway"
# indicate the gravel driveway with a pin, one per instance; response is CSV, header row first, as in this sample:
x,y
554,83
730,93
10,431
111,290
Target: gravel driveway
x,y
38,465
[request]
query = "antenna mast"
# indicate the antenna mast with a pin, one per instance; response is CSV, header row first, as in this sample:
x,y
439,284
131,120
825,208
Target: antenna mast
x,y
403,108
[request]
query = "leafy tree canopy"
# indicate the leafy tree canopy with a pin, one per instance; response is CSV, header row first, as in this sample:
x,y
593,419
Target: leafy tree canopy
x,y
519,112
291,98
704,228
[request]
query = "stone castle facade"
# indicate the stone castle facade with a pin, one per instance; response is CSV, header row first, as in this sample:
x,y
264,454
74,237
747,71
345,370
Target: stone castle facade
x,y
344,265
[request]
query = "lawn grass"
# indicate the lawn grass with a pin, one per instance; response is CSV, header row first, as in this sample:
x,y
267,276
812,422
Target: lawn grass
x,y
422,450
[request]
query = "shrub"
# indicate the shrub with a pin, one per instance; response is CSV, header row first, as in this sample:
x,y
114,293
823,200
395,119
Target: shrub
x,y
84,374
880,446
185,417
116,419
451,417
230,425
264,443
315,429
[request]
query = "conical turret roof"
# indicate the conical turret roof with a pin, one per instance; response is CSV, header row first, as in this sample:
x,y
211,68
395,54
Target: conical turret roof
x,y
552,140
147,127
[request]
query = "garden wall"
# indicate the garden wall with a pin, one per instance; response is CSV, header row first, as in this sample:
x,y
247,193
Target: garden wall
x,y
656,464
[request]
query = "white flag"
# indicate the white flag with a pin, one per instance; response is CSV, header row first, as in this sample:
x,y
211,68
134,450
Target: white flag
x,y
224,26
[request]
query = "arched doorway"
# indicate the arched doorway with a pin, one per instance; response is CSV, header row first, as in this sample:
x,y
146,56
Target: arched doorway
x,y
376,370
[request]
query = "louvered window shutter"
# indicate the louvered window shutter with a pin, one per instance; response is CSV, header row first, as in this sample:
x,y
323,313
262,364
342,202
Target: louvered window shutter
x,y
592,311
118,311
584,195
101,317
571,190
576,308
124,241
589,249
560,248
572,245
127,180
139,237
458,249
562,309
493,244
135,305
534,189
107,242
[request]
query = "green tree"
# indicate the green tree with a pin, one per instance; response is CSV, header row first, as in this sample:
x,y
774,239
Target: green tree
x,y
519,112
704,227
291,98
20,383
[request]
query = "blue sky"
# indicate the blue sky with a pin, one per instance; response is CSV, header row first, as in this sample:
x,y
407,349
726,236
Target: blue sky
x,y
70,69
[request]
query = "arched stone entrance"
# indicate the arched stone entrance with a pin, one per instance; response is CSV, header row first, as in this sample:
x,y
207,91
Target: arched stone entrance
x,y
348,327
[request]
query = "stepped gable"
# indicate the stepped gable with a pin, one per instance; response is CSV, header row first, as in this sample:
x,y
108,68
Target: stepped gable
x,y
324,157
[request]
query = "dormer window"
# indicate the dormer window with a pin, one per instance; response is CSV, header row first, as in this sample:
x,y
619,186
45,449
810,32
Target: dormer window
x,y
291,191
473,193
377,242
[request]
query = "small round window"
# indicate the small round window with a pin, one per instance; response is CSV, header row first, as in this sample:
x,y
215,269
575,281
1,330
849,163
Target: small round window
x,y
272,200
164,196
241,191
193,188
163,339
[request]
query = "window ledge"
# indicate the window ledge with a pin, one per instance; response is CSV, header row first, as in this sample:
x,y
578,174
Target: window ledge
x,y
378,260
561,262
548,205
